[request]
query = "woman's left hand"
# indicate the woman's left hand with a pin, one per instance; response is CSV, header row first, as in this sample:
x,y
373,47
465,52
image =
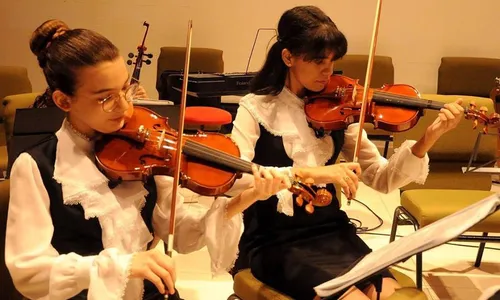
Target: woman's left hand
x,y
448,118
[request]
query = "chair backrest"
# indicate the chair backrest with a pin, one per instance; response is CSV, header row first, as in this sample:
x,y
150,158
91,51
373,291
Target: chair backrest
x,y
354,66
171,61
13,80
473,76
205,60
10,104
457,144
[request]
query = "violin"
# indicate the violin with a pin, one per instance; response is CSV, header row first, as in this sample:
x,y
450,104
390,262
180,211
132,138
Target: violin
x,y
393,107
210,162
141,49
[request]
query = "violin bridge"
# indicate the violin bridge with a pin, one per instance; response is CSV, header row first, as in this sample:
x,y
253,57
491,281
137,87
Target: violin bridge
x,y
160,140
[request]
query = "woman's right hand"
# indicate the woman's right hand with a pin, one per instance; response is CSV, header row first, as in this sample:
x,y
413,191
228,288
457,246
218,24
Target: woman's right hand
x,y
344,174
155,267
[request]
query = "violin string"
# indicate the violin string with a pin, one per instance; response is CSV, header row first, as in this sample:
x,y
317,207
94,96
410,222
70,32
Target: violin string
x,y
411,100
203,151
218,156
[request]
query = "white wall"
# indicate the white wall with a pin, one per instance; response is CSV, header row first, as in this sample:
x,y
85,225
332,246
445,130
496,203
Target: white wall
x,y
416,34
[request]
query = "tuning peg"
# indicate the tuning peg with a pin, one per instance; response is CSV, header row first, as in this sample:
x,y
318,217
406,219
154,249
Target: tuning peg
x,y
148,62
485,129
323,196
299,200
472,105
131,55
129,62
309,208
149,55
474,124
483,109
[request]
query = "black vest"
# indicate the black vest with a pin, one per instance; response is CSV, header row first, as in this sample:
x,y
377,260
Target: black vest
x,y
264,225
72,232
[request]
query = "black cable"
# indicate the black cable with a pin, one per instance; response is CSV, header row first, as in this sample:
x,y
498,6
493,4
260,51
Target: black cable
x,y
360,228
364,230
449,243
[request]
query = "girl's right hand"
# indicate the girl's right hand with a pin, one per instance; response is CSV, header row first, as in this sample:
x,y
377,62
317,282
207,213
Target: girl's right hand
x,y
155,267
344,174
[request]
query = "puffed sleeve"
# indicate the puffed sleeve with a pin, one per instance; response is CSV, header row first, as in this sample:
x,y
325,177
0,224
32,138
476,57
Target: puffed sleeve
x,y
383,175
198,226
36,268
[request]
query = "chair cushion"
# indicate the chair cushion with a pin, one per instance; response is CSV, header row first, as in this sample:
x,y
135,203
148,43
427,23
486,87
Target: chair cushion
x,y
428,206
247,287
206,115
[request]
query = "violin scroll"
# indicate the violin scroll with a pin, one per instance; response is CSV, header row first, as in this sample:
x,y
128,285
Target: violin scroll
x,y
479,116
305,192
139,58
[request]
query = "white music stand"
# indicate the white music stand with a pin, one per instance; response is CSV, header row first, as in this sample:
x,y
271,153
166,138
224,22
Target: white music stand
x,y
428,237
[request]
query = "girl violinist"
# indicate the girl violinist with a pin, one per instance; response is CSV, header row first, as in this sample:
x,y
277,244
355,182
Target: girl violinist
x,y
285,247
69,234
45,99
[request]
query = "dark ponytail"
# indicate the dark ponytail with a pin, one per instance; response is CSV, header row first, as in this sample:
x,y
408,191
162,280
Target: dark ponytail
x,y
305,31
61,51
271,78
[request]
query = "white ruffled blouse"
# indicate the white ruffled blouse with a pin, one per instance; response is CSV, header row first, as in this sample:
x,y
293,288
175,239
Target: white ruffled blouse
x,y
40,272
283,115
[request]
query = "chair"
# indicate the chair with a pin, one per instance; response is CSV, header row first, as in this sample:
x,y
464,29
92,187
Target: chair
x,y
247,287
171,61
447,189
354,66
206,118
9,106
13,80
474,76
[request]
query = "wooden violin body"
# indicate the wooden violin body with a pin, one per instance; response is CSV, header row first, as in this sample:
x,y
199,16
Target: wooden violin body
x,y
394,108
210,162
339,105
145,146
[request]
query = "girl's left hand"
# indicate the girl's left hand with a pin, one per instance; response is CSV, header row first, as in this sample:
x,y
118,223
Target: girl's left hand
x,y
268,182
448,118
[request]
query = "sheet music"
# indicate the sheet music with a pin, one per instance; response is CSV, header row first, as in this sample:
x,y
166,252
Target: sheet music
x,y
425,238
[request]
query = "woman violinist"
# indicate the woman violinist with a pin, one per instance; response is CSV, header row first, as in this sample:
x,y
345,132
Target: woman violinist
x,y
285,247
71,236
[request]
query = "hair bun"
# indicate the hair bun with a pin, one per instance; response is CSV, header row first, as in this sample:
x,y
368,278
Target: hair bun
x,y
45,33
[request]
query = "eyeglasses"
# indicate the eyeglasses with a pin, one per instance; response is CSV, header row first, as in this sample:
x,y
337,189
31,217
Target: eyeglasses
x,y
110,103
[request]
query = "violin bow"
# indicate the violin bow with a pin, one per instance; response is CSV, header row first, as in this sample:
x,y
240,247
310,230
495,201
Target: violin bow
x,y
170,244
368,77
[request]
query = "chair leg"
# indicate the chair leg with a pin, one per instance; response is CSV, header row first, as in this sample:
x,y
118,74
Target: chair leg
x,y
386,148
419,271
480,252
395,223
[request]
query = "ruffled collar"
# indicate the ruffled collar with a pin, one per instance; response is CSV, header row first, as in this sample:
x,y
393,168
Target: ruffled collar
x,y
283,115
118,210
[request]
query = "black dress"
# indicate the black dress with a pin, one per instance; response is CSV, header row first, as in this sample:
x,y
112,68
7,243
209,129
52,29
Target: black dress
x,y
295,254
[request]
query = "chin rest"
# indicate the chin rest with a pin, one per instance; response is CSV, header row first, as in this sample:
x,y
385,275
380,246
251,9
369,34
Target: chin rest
x,y
247,287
